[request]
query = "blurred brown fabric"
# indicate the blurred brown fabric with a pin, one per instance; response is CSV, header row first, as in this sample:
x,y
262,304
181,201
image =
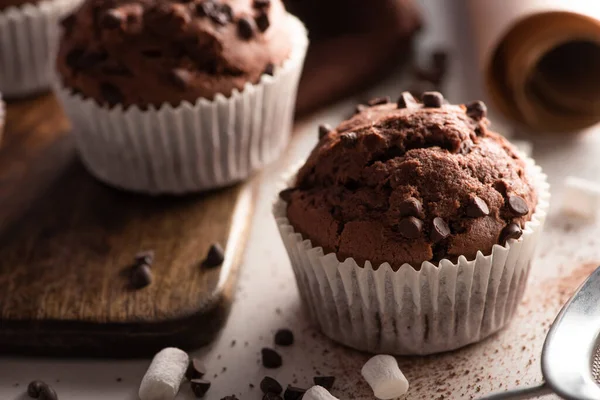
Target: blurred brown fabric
x,y
354,43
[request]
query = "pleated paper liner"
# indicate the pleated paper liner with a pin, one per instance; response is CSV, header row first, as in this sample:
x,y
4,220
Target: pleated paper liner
x,y
192,147
29,38
415,312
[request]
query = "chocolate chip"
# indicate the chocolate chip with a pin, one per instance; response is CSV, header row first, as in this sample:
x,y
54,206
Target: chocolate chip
x,y
286,194
47,393
199,387
324,130
324,381
180,78
270,69
214,257
284,337
349,139
410,207
111,19
111,94
144,257
270,385
195,370
439,230
272,396
261,3
378,101
221,15
141,276
518,205
477,207
245,28
410,227
293,393
510,231
406,100
205,8
360,108
477,110
34,388
262,21
270,358
432,99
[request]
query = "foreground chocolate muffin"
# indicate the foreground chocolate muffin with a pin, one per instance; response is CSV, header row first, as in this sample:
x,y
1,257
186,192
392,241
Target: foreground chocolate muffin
x,y
411,227
412,183
150,52
180,96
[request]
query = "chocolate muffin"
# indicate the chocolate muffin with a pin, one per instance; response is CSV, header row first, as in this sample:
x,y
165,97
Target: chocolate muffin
x,y
412,227
150,52
409,182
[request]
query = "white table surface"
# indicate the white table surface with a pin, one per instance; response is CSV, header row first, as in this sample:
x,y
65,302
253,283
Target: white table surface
x,y
267,298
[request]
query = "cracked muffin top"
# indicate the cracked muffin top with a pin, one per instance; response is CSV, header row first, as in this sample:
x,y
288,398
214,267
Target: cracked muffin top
x,y
150,52
410,182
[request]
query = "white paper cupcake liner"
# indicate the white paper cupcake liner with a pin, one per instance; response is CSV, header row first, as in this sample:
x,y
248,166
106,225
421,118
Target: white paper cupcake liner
x,y
29,37
191,147
410,312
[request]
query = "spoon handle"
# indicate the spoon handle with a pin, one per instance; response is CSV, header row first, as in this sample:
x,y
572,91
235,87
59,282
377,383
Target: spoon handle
x,y
520,393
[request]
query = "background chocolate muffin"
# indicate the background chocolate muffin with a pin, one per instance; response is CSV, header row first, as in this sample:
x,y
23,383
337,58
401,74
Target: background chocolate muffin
x,y
148,52
15,3
410,183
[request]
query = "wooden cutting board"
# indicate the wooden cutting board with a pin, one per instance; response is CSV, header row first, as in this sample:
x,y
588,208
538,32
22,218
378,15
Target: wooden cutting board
x,y
67,241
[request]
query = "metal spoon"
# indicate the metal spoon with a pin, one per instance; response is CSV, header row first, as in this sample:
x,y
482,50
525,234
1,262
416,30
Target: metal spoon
x,y
569,349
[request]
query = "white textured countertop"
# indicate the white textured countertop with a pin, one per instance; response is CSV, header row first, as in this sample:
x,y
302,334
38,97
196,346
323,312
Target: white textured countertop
x,y
268,299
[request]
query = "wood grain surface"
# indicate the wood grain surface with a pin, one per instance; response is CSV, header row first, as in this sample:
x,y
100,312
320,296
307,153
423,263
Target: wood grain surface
x,y
67,242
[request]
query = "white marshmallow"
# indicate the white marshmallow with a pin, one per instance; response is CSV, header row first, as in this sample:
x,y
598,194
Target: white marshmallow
x,y
318,393
524,146
580,197
385,378
164,376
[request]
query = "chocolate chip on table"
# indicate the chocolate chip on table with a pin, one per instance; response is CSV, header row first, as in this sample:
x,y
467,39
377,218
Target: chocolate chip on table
x,y
214,257
349,139
477,207
510,231
284,337
199,387
410,207
111,19
144,257
406,100
477,110
518,205
410,227
111,94
270,358
180,78
272,396
34,388
378,101
261,3
269,69
324,130
286,194
324,381
141,276
439,230
262,22
270,385
195,370
293,393
245,28
432,99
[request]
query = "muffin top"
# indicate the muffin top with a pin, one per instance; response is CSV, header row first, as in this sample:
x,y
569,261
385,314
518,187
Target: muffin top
x,y
411,182
150,52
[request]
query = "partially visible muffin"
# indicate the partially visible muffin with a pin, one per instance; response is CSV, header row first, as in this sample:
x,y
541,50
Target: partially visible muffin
x,y
15,3
410,182
150,52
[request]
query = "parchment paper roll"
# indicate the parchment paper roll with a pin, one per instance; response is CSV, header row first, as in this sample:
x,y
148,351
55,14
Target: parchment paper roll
x,y
540,60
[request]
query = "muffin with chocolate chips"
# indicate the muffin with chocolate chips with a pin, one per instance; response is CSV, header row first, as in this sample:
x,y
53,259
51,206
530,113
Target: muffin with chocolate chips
x,y
29,30
411,227
199,93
